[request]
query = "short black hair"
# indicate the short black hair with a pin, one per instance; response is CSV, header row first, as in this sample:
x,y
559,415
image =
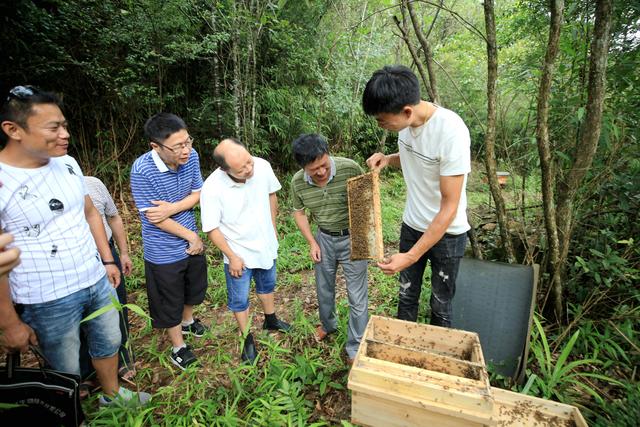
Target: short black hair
x,y
162,125
309,147
219,159
18,105
390,89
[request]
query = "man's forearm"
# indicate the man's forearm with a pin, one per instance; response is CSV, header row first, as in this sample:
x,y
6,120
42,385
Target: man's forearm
x,y
394,160
188,202
273,204
218,239
433,233
303,225
8,313
173,227
97,231
119,235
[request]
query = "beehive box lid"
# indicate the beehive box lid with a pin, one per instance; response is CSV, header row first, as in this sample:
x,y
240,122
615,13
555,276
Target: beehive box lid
x,y
519,410
365,217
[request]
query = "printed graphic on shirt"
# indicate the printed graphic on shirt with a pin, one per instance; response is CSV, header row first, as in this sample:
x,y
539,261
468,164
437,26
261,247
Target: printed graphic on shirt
x,y
26,194
32,231
56,206
418,155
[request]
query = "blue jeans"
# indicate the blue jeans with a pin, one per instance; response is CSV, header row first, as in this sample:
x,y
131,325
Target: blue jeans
x,y
57,325
238,288
445,261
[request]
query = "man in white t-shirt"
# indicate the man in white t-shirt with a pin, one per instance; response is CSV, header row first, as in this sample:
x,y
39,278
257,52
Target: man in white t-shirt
x,y
435,157
66,270
238,206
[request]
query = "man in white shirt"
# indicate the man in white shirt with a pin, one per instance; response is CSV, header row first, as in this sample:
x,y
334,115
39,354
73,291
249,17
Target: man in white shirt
x,y
66,270
435,157
238,209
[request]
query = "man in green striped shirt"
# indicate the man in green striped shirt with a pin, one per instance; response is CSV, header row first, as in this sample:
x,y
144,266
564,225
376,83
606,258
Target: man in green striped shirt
x,y
320,188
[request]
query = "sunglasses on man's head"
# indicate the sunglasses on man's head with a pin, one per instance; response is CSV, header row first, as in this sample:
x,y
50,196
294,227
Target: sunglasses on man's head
x,y
21,92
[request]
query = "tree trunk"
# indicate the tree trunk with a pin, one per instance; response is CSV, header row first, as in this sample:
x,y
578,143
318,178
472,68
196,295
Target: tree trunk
x,y
490,134
405,36
433,92
544,152
585,149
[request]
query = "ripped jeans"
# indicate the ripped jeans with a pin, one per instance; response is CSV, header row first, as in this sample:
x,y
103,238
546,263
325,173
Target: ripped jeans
x,y
445,260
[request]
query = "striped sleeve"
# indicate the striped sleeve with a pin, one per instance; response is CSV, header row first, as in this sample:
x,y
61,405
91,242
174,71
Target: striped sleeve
x,y
296,200
143,191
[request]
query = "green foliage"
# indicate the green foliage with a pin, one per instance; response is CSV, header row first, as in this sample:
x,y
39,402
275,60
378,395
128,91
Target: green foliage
x,y
622,412
560,377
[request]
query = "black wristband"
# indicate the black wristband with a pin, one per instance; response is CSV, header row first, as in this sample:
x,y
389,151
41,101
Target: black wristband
x,y
108,263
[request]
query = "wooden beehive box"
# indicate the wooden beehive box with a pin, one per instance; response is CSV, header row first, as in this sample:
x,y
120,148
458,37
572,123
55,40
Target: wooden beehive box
x,y
409,374
519,410
365,223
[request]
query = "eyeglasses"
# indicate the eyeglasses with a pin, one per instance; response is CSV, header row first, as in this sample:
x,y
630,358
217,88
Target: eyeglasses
x,y
178,147
21,92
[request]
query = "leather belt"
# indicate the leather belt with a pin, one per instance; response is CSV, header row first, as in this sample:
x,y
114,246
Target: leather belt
x,y
338,233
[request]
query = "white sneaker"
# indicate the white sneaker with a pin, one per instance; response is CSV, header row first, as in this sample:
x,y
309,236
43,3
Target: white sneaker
x,y
126,397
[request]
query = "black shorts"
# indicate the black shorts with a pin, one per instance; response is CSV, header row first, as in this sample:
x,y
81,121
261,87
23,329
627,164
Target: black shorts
x,y
172,286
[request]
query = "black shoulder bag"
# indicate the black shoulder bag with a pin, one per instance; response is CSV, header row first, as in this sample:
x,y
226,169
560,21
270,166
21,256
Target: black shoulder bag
x,y
38,395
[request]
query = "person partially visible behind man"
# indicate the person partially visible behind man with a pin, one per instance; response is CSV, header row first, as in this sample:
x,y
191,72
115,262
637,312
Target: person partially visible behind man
x,y
321,188
62,277
434,153
239,206
166,183
117,236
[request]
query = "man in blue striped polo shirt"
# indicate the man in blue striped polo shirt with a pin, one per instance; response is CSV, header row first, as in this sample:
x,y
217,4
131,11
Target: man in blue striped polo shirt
x,y
166,183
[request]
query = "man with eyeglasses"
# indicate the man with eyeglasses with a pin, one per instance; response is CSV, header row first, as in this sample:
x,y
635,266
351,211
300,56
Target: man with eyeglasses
x,y
238,209
67,270
166,183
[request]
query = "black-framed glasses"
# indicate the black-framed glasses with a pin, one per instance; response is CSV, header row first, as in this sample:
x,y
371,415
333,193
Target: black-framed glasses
x,y
21,92
179,147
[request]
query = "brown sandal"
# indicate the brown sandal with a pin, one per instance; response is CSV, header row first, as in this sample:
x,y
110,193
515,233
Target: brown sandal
x,y
85,388
127,374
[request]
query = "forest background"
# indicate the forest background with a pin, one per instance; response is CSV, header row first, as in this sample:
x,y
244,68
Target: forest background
x,y
549,91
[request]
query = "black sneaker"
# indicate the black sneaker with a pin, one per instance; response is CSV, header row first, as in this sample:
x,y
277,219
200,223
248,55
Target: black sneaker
x,y
196,329
183,358
278,325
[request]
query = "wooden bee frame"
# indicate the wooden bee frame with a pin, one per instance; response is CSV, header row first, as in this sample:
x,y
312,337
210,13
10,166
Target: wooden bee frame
x,y
365,221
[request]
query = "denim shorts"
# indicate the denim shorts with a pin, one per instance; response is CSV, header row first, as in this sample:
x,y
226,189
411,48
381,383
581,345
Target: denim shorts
x,y
57,325
238,288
